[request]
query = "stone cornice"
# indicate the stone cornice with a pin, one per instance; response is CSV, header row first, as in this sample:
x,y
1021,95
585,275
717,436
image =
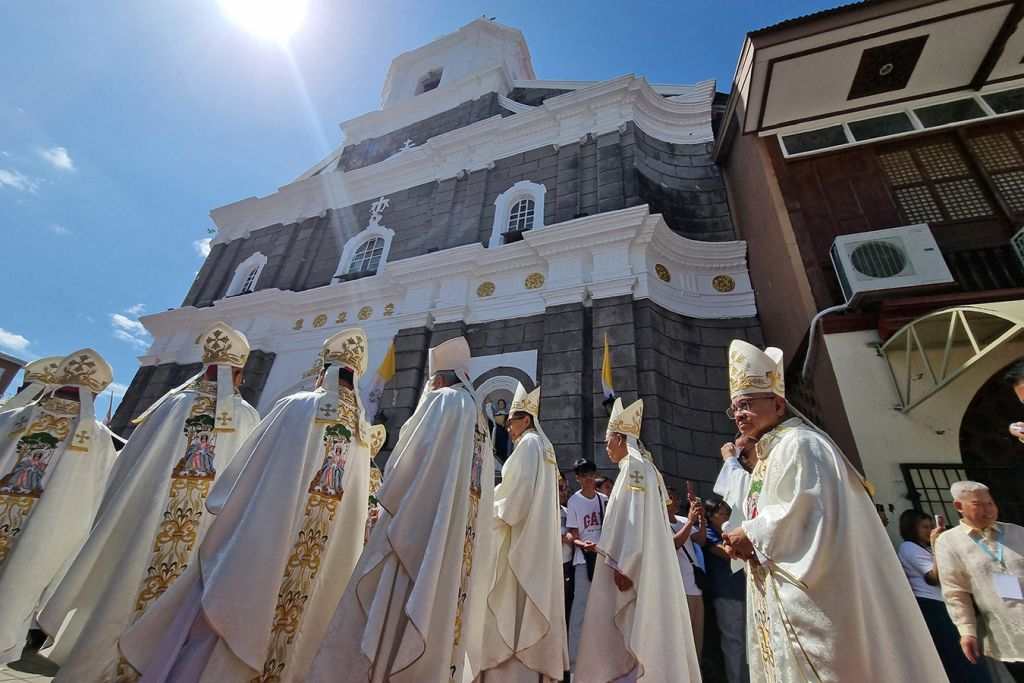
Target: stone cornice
x,y
609,254
596,109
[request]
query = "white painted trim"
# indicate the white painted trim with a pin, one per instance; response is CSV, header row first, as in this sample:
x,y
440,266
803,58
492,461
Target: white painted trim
x,y
699,89
349,250
242,273
497,383
597,109
512,105
524,189
609,254
525,361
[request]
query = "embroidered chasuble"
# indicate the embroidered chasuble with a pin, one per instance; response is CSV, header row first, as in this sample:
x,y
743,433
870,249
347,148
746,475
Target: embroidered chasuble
x,y
640,633
413,611
52,474
831,602
291,512
151,520
525,637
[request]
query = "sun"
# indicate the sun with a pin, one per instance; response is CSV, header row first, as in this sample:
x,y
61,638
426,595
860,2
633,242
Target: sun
x,y
271,19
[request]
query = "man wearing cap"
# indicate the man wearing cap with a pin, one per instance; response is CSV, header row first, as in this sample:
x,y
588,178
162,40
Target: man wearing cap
x,y
39,374
153,514
276,559
637,625
414,608
54,461
826,600
524,636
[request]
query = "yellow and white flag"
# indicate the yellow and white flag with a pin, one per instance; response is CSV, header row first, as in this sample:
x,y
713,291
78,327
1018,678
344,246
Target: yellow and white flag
x,y
606,371
371,400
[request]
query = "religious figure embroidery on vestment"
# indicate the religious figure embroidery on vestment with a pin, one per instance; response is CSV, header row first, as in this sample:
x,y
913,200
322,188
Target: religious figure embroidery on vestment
x,y
476,469
38,453
324,495
373,506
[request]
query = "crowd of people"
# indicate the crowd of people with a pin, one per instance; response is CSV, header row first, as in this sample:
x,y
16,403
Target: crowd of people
x,y
221,547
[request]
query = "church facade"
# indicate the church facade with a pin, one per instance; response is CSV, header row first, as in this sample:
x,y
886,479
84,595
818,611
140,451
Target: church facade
x,y
536,218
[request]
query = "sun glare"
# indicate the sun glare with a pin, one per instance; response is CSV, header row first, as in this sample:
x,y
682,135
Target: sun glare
x,y
272,19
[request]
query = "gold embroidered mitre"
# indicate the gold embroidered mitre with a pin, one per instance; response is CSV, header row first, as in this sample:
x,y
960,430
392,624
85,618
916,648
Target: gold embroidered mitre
x,y
626,420
43,370
223,345
523,402
451,355
84,368
347,348
378,435
753,371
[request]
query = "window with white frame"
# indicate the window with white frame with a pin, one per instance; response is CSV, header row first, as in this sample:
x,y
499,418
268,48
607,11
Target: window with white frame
x,y
247,274
365,254
516,210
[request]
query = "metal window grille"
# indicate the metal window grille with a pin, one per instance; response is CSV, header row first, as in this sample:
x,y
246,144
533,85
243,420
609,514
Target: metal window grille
x,y
367,256
521,216
928,487
250,280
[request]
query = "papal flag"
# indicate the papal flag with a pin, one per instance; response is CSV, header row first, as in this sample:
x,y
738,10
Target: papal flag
x,y
606,372
371,400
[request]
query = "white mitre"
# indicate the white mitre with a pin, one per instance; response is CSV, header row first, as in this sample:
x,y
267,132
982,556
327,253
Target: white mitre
x,y
226,348
523,402
347,349
626,421
753,371
453,355
85,370
40,375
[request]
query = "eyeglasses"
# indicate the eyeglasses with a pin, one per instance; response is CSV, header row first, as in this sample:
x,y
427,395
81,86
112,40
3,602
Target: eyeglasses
x,y
744,406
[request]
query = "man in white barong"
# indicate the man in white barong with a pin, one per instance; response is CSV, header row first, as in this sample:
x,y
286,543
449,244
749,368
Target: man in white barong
x,y
414,609
39,374
55,457
524,633
826,596
637,625
291,511
733,481
153,514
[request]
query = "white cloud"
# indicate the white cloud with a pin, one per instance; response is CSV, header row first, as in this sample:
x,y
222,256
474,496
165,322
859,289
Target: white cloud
x,y
128,329
136,310
17,181
59,230
202,246
117,389
58,158
12,341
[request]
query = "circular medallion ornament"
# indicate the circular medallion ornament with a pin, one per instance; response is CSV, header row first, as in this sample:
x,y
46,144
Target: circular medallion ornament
x,y
297,325
662,272
534,281
320,320
341,317
485,289
723,283
389,309
365,312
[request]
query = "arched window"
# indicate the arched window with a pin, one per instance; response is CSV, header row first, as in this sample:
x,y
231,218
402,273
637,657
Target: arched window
x,y
516,210
247,274
365,254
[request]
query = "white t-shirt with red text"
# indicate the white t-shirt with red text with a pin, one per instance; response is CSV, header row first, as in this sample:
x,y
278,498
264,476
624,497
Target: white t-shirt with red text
x,y
586,515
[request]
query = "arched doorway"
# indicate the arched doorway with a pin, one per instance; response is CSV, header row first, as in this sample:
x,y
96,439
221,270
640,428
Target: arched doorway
x,y
989,453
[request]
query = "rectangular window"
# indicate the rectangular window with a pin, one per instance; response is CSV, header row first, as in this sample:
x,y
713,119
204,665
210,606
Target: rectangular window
x,y
814,139
1006,101
880,126
949,112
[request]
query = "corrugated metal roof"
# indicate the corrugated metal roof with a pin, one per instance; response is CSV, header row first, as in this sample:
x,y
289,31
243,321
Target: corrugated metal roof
x,y
814,16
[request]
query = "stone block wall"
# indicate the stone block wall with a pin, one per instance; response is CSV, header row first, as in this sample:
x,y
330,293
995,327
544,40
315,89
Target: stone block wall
x,y
615,170
153,381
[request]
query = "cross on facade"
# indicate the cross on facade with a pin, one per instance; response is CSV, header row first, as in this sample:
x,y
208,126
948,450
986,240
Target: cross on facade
x,y
409,144
377,210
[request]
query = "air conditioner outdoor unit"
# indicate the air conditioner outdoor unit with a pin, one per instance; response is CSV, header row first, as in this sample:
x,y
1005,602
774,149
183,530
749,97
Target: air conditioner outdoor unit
x,y
895,258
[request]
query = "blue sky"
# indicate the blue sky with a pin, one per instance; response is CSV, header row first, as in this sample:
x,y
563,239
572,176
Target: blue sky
x,y
122,124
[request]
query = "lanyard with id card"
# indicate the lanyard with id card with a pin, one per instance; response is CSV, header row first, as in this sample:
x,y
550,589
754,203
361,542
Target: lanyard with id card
x,y
1007,585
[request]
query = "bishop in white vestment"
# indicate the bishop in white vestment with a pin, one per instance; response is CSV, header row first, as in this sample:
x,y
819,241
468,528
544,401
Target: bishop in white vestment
x,y
291,511
414,609
153,514
524,636
637,624
827,599
54,461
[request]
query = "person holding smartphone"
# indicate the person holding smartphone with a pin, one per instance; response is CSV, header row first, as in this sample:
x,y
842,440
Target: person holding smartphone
x,y
915,553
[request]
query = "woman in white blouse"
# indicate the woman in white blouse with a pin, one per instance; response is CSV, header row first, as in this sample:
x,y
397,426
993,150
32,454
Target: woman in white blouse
x,y
919,532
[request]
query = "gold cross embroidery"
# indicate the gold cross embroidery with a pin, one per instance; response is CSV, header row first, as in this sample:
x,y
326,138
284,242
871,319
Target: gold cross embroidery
x,y
82,437
636,477
327,410
224,419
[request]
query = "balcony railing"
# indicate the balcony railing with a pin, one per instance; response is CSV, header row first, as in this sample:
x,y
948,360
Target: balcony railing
x,y
988,268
